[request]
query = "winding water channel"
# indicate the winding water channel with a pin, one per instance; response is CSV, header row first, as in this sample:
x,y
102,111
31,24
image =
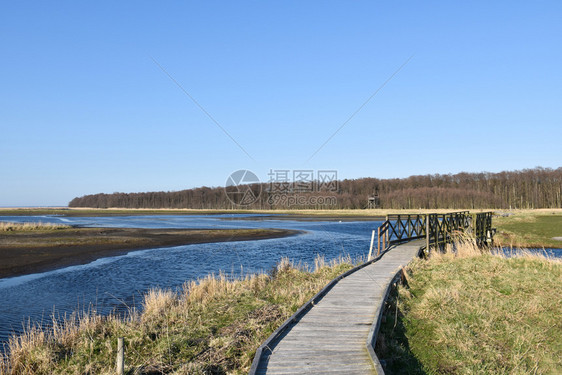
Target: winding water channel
x,y
118,282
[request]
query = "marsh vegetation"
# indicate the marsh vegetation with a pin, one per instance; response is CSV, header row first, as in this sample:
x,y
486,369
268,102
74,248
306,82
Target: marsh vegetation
x,y
467,311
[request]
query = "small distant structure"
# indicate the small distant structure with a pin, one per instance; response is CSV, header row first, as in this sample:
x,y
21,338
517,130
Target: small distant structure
x,y
374,201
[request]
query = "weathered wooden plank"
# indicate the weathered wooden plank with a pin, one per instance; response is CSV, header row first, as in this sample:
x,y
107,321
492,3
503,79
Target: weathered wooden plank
x,y
311,372
317,343
336,349
339,353
313,342
281,357
328,329
342,368
338,334
314,365
289,361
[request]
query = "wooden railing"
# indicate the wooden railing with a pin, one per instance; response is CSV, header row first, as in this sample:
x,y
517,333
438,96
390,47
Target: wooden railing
x,y
437,229
481,228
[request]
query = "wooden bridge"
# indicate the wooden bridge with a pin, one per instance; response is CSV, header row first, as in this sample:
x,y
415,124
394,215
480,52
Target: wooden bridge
x,y
335,332
436,229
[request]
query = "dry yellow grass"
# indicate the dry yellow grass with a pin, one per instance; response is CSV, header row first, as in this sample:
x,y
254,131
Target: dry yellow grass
x,y
212,325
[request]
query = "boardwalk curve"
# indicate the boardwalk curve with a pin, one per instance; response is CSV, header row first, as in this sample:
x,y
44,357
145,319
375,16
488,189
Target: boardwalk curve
x,y
331,336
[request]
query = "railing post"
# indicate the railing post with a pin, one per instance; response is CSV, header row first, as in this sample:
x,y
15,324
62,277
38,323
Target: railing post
x,y
371,247
379,242
386,237
409,226
475,227
427,233
120,356
438,229
435,232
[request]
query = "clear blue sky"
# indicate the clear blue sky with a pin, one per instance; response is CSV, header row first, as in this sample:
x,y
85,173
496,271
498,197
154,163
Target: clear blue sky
x,y
84,108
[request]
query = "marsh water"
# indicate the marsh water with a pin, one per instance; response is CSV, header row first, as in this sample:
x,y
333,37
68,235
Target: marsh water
x,y
119,282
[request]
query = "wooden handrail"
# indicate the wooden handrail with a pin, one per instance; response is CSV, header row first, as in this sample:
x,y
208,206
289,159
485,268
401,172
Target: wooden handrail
x,y
437,229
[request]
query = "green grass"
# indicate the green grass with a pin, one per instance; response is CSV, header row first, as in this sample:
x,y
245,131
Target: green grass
x,y
475,314
529,229
212,326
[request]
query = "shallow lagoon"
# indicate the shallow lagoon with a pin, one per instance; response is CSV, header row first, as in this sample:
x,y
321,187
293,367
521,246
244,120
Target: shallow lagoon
x,y
119,282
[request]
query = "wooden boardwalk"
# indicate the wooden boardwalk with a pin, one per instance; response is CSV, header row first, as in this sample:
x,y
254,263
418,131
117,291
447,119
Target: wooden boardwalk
x,y
331,337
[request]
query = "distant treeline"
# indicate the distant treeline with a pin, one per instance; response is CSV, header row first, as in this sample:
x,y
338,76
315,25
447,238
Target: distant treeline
x,y
529,188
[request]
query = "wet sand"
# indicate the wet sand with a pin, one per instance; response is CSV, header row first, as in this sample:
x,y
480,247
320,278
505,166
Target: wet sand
x,y
39,251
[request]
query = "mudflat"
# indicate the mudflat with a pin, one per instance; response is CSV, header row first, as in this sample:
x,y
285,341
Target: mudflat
x,y
26,252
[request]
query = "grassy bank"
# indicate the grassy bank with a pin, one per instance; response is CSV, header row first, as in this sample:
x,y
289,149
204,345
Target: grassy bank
x,y
212,326
475,313
529,228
